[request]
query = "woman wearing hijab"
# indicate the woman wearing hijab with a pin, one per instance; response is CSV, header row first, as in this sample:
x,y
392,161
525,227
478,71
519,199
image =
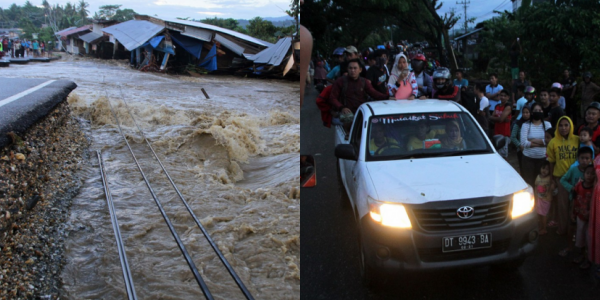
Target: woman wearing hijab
x,y
453,139
402,82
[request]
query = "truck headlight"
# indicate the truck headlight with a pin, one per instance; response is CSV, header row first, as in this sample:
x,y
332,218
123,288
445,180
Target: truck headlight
x,y
388,214
523,202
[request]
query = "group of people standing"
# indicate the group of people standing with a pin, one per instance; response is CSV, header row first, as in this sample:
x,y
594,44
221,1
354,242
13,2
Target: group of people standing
x,y
555,157
22,48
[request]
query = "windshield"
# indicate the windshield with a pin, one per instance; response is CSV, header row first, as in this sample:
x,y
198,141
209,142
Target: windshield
x,y
416,135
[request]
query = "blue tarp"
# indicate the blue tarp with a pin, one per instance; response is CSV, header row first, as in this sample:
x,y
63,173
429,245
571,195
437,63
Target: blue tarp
x,y
210,62
191,45
156,40
153,44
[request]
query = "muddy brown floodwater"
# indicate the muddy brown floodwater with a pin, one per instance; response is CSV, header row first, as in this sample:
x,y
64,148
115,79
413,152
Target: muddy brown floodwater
x,y
234,157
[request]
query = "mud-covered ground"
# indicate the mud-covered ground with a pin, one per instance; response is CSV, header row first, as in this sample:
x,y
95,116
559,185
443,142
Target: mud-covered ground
x,y
36,188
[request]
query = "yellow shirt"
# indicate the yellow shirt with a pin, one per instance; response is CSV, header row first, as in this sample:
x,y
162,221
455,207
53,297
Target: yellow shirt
x,y
388,141
562,152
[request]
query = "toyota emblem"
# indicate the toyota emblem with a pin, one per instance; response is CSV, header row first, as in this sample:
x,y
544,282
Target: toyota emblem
x,y
465,212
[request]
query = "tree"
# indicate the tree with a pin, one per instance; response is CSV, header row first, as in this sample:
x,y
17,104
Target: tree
x,y
123,15
82,10
567,40
262,29
224,23
107,11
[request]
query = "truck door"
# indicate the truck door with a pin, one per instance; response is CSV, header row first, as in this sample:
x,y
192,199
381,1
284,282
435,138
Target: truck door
x,y
350,166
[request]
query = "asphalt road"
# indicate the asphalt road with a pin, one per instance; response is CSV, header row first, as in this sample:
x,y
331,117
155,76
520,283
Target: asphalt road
x,y
24,101
330,255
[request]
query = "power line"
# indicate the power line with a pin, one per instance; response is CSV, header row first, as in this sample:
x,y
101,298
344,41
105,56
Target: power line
x,y
492,11
465,3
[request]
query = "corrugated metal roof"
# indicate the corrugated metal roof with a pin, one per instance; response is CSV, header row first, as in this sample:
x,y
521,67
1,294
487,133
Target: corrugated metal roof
x,y
236,34
65,30
134,33
273,55
237,49
64,34
91,37
199,33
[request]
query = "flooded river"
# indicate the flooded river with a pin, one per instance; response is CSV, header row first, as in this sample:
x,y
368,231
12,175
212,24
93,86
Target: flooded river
x,y
234,157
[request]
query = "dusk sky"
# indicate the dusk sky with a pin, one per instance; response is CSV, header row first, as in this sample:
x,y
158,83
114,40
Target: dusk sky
x,y
195,9
248,9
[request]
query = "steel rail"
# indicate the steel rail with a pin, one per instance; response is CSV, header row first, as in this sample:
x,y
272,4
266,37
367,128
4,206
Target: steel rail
x,y
115,224
230,269
187,257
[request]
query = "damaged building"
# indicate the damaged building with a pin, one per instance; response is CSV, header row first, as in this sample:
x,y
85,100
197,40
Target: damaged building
x,y
159,44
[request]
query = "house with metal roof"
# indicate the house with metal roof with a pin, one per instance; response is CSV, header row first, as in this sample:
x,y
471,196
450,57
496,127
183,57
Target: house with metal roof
x,y
96,42
70,38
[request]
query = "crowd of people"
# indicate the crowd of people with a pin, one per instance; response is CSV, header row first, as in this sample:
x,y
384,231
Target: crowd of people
x,y
555,157
22,48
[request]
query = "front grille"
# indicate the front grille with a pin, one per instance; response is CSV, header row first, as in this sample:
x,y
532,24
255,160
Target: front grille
x,y
447,219
436,254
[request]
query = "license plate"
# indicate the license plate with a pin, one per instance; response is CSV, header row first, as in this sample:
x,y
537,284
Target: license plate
x,y
466,242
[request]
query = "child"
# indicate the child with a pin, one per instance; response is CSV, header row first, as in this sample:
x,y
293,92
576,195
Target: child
x,y
544,185
562,152
585,139
581,211
568,181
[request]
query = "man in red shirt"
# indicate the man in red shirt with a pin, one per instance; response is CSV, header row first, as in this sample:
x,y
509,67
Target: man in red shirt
x,y
350,91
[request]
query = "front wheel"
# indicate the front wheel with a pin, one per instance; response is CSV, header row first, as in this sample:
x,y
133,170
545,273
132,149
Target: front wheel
x,y
371,278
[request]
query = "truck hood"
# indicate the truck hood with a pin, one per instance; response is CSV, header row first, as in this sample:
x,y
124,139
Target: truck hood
x,y
416,181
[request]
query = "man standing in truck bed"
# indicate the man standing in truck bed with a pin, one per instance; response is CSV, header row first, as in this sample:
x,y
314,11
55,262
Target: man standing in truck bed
x,y
350,91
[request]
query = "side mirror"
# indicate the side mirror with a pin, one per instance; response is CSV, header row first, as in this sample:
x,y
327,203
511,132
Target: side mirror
x,y
308,171
345,151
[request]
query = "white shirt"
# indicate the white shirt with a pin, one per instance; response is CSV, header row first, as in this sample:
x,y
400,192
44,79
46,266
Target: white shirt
x,y
530,131
419,79
484,103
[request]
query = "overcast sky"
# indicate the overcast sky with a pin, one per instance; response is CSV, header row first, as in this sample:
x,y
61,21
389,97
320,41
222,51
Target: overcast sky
x,y
481,9
195,9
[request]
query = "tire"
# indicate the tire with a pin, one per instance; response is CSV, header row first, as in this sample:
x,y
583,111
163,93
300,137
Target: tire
x,y
344,199
371,277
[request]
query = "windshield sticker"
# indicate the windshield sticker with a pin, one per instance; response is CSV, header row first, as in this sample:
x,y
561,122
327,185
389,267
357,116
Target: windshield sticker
x,y
414,118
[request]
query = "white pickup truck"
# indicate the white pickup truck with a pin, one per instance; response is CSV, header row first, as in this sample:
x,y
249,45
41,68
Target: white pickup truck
x,y
429,191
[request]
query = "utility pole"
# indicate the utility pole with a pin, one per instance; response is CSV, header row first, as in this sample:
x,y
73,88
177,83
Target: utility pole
x,y
465,3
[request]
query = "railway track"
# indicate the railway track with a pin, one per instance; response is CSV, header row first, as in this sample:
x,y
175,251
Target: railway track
x,y
128,280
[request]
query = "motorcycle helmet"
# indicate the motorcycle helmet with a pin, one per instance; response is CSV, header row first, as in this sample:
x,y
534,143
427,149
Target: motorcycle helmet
x,y
419,57
418,63
529,90
557,85
443,73
587,75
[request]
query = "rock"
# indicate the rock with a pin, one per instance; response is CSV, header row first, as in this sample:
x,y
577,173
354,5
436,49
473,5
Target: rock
x,y
32,202
20,156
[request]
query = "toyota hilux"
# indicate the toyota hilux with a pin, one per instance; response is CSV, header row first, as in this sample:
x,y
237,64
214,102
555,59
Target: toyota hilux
x,y
429,191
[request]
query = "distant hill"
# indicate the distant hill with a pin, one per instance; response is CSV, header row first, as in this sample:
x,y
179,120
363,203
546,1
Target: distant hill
x,y
278,21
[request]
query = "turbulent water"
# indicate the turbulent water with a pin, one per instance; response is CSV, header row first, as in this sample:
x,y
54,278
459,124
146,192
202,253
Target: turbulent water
x,y
234,157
